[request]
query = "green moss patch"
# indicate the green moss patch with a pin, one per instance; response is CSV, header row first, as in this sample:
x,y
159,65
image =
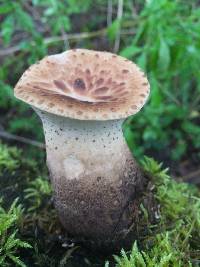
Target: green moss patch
x,y
31,235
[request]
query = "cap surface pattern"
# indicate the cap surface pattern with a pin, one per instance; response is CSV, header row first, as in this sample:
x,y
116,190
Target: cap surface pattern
x,y
84,84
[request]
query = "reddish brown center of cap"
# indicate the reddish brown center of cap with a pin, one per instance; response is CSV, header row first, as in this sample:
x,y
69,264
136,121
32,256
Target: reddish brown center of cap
x,y
79,84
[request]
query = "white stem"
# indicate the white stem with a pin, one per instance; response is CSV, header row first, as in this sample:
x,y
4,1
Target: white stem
x,y
93,173
84,148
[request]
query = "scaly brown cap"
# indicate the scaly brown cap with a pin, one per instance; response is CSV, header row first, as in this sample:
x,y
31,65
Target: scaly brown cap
x,y
84,84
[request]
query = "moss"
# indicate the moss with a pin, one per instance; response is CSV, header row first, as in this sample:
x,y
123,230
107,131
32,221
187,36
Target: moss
x,y
9,241
172,239
9,158
175,240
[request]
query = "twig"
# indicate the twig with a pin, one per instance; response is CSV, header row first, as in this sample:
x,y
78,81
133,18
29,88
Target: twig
x,y
127,32
190,176
119,17
65,39
133,10
21,139
109,13
56,39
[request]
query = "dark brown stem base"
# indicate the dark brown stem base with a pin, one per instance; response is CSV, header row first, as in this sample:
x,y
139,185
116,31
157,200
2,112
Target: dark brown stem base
x,y
103,215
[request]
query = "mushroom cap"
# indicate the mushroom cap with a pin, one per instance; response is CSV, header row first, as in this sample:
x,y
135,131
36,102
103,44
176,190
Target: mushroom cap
x,y
84,84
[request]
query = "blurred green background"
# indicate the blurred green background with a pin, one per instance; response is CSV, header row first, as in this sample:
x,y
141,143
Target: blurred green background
x,y
162,37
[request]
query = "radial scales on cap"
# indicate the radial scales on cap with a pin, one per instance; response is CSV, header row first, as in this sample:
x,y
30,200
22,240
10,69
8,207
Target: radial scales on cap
x,y
84,84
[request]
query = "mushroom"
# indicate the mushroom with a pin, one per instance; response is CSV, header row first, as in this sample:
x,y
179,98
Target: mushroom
x,y
82,97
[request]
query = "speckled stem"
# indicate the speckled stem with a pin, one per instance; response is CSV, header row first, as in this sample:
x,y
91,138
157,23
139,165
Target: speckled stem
x,y
93,174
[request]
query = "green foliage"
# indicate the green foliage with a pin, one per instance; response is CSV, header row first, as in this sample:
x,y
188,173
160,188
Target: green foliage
x,y
166,46
37,191
9,158
24,120
162,255
10,244
175,241
155,169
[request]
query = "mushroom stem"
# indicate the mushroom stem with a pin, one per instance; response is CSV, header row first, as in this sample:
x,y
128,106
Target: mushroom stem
x,y
93,174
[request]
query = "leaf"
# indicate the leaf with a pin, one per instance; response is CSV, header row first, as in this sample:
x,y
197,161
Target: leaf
x,y
113,29
163,56
49,11
17,261
62,23
156,95
130,51
24,19
142,60
7,29
6,8
145,212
